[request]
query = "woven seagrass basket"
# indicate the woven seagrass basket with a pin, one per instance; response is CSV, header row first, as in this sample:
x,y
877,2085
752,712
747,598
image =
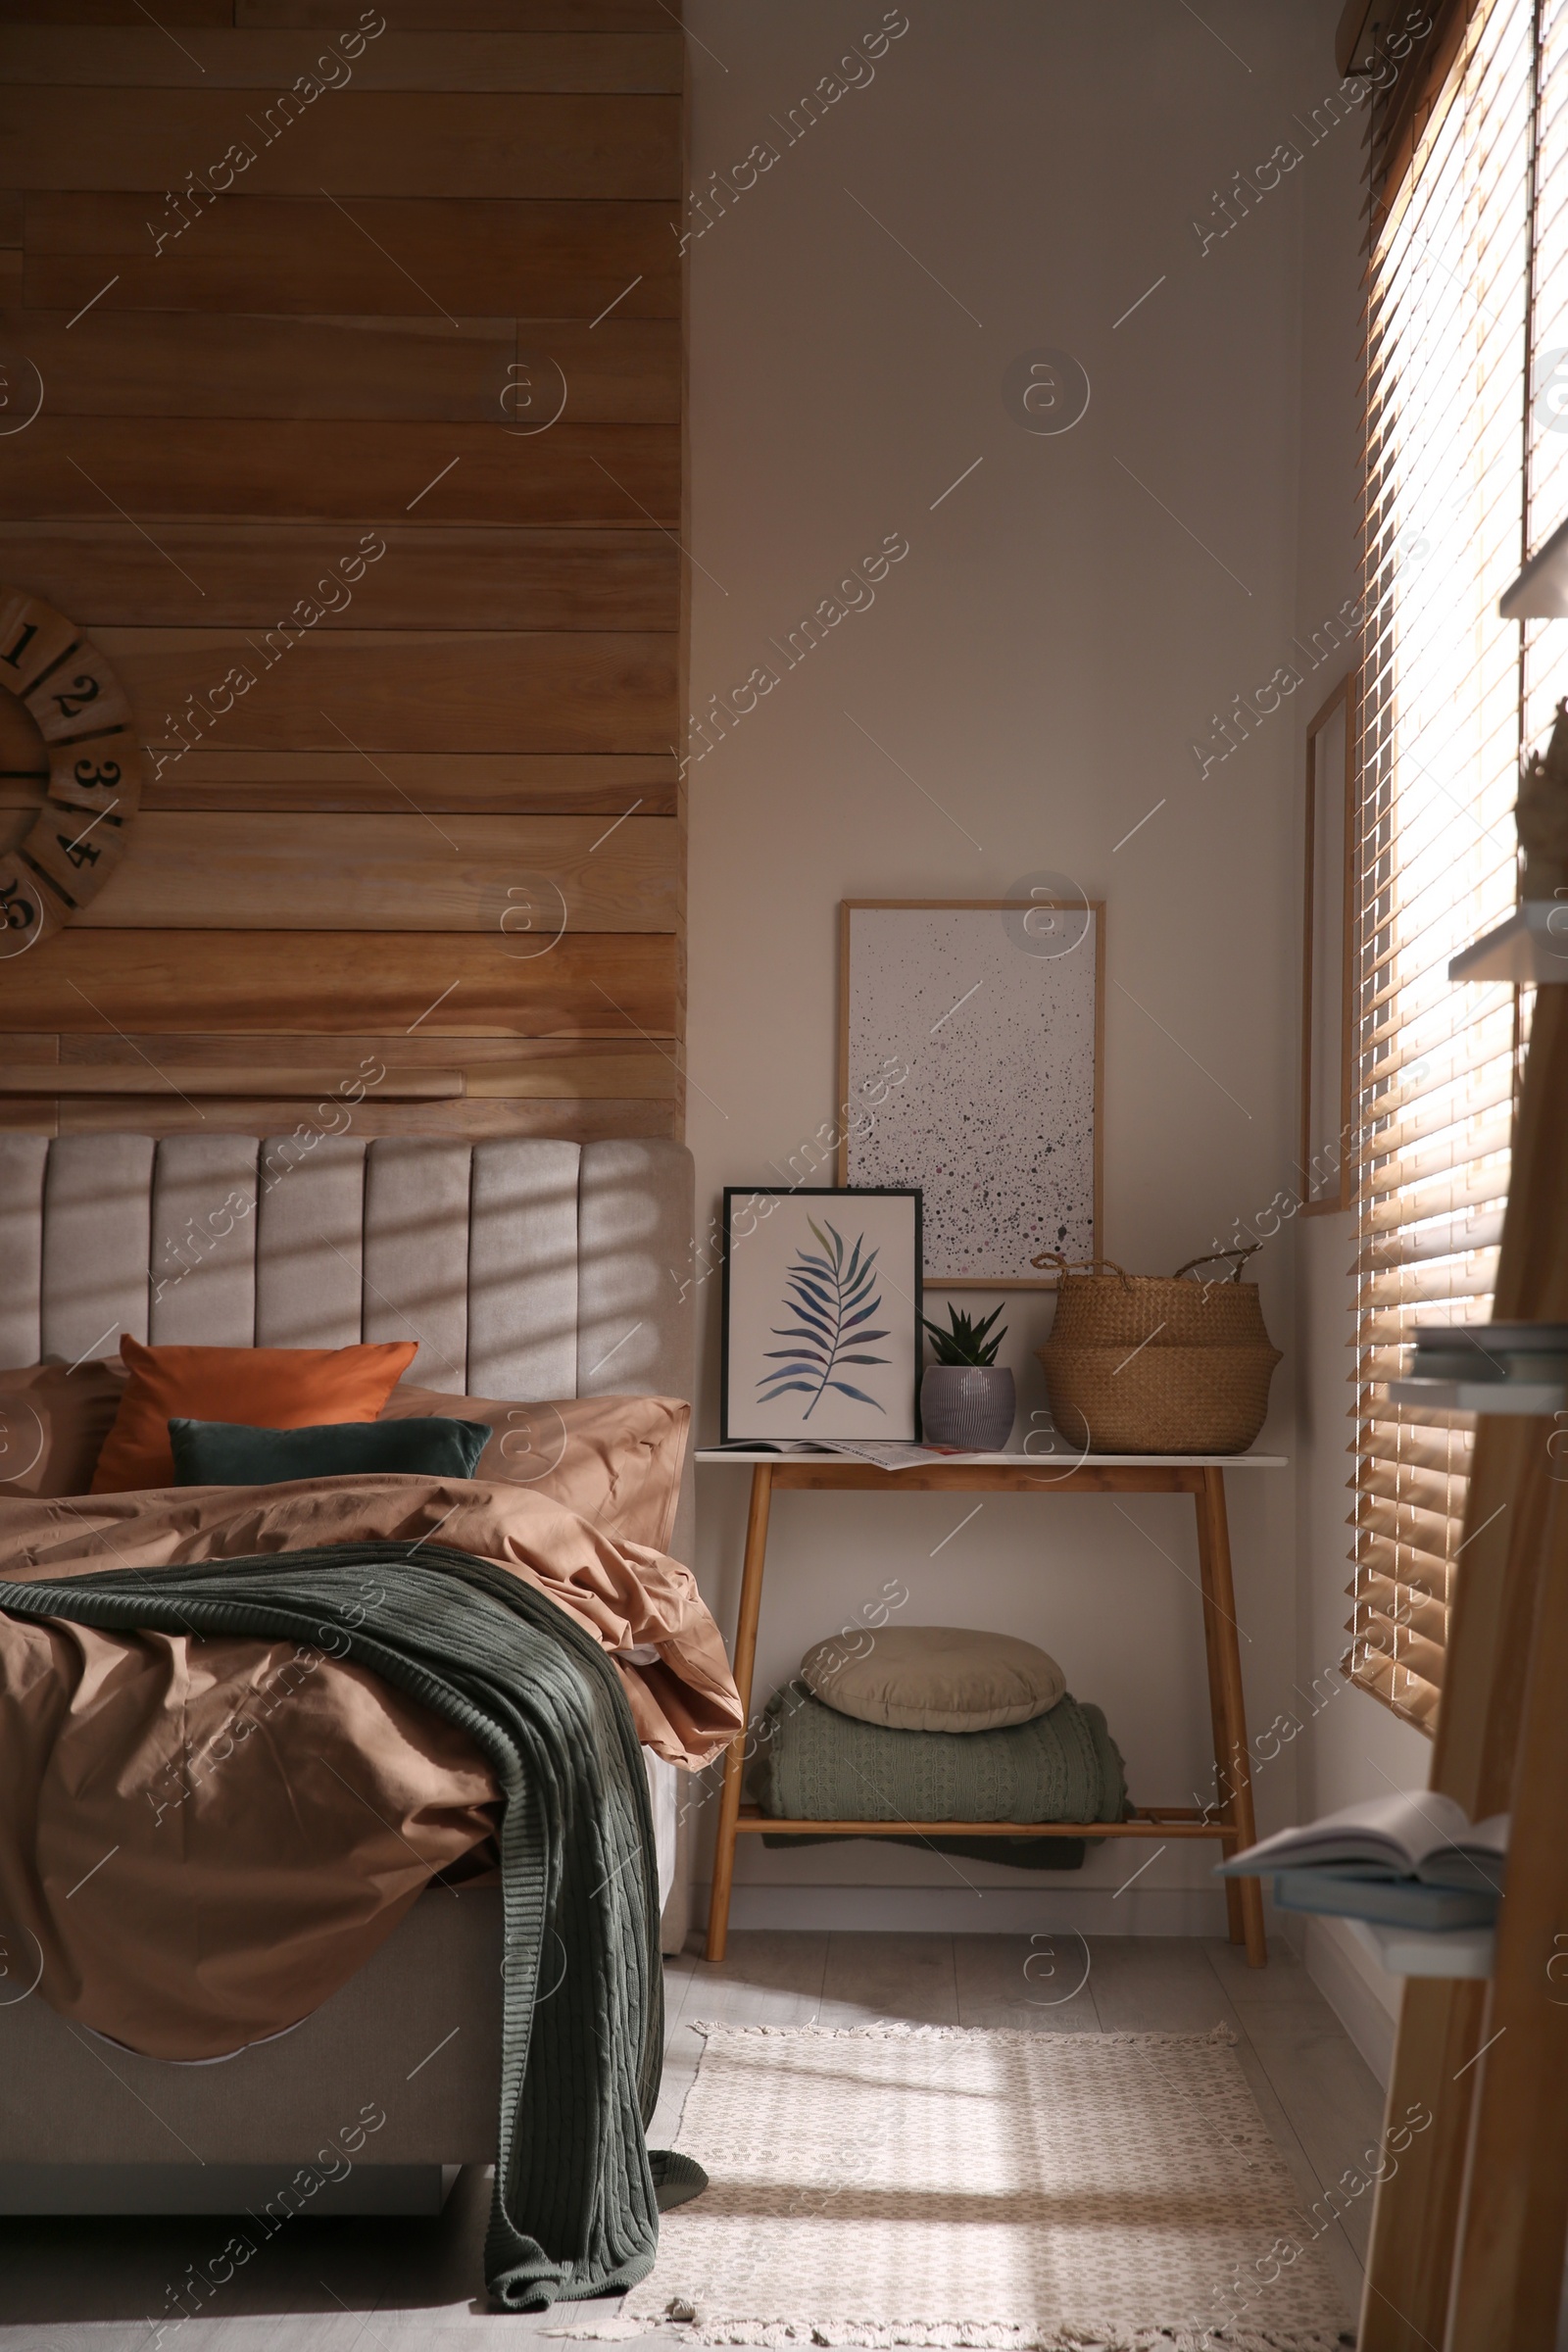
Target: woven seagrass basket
x,y
1146,1364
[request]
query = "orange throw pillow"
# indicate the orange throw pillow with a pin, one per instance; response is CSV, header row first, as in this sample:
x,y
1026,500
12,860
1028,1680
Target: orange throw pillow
x,y
266,1387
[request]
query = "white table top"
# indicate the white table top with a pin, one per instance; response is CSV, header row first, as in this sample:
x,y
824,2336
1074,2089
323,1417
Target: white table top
x,y
1013,1462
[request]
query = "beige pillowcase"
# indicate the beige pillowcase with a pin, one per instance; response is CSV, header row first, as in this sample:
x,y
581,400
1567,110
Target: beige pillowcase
x,y
935,1677
54,1418
615,1459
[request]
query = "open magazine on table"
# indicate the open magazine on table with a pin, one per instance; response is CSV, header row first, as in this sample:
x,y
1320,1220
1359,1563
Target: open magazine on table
x,y
885,1454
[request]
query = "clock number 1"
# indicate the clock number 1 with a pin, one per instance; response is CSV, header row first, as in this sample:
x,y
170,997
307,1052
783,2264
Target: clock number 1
x,y
13,658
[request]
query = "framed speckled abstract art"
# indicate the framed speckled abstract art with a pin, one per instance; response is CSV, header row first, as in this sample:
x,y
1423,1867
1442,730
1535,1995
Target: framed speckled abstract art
x,y
993,1010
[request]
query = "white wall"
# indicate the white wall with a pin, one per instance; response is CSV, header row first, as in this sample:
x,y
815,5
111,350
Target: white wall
x,y
1040,663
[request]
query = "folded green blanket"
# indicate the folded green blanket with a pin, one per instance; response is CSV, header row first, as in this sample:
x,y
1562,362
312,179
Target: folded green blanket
x,y
576,2188
815,1764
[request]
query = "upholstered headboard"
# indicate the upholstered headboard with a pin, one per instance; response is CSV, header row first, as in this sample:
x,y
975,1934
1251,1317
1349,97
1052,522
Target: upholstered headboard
x,y
523,1268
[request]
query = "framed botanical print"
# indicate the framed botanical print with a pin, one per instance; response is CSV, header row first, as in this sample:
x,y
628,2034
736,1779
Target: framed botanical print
x,y
821,1314
989,1014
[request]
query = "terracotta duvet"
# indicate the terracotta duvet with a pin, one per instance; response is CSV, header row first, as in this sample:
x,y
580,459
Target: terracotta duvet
x,y
201,1840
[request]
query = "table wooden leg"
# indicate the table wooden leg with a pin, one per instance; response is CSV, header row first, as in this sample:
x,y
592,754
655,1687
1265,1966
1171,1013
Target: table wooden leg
x,y
730,1803
1222,1757
1228,1703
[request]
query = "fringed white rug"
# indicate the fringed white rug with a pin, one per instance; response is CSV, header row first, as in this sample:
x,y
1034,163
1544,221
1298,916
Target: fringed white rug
x,y
909,2185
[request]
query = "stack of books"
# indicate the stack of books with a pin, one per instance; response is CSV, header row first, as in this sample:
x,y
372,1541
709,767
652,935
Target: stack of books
x,y
1409,1860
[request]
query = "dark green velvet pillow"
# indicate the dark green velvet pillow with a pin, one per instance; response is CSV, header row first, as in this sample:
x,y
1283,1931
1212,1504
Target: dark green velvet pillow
x,y
229,1453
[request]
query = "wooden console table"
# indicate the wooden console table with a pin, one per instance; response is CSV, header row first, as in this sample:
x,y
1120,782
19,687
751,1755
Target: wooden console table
x,y
1228,1822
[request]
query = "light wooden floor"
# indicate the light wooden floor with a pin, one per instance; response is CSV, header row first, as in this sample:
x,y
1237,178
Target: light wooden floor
x,y
358,2285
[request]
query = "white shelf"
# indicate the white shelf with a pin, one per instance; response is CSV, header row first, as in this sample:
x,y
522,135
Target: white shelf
x,y
1534,1399
1428,1951
1013,1462
1531,949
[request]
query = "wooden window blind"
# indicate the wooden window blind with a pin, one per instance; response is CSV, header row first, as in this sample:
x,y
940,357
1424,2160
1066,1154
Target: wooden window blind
x,y
1404,50
1465,265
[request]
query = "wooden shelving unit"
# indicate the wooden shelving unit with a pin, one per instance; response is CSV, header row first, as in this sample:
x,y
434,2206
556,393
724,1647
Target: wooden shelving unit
x,y
1468,2230
1229,1823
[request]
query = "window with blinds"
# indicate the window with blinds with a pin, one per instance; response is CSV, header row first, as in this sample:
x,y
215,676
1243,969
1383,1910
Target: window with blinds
x,y
1467,473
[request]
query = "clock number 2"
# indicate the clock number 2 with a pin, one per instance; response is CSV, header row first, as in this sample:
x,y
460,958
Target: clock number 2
x,y
82,691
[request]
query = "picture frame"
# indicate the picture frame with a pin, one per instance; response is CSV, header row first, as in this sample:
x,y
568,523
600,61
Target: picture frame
x,y
1029,1081
822,1332
1327,956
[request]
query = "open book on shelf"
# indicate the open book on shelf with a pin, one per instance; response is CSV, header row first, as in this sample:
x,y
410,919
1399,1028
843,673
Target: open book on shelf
x,y
1410,1859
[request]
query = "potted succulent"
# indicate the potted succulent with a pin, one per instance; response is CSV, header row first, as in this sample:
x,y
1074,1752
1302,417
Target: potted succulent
x,y
966,1398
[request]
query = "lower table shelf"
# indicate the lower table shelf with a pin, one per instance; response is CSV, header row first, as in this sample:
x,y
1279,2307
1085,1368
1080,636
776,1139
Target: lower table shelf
x,y
1145,1822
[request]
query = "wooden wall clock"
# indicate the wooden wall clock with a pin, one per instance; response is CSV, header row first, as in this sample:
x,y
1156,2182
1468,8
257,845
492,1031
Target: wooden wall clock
x,y
94,778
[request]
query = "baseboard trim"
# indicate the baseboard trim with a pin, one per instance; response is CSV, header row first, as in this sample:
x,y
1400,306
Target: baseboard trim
x,y
984,1911
231,2188
1355,1991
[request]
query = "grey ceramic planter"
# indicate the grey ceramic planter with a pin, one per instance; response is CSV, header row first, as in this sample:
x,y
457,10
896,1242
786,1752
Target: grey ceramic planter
x,y
967,1404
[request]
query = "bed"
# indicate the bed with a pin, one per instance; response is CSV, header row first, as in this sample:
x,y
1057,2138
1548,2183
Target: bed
x,y
526,1269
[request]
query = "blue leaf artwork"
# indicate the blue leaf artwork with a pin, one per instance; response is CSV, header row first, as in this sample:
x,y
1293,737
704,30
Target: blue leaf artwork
x,y
832,1298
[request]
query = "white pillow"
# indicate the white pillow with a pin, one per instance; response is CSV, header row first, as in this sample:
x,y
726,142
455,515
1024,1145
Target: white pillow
x,y
935,1677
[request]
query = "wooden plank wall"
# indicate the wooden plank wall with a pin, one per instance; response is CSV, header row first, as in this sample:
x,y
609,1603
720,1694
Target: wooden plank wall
x,y
257,372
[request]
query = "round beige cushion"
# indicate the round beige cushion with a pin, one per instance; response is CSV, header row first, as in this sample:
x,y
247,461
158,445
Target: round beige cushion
x,y
934,1677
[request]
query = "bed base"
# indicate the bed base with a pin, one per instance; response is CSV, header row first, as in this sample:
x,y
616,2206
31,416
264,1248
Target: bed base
x,y
254,2189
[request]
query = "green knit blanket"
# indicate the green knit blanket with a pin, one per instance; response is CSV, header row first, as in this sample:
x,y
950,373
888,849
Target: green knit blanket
x,y
815,1764
576,2191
